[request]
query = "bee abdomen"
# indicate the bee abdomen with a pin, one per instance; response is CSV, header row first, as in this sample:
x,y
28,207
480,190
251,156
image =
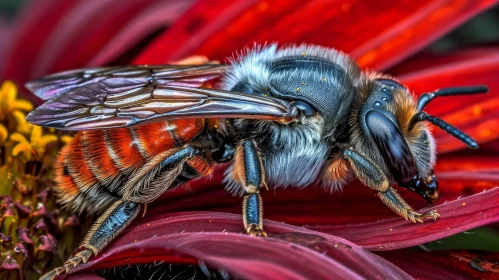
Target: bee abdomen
x,y
92,168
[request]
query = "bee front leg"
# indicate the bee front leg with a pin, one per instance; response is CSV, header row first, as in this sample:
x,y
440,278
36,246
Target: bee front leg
x,y
372,176
112,222
248,172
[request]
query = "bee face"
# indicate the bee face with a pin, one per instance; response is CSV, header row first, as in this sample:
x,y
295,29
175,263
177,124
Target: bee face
x,y
406,153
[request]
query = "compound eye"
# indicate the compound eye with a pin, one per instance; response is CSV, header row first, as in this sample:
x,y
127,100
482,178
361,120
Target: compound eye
x,y
304,107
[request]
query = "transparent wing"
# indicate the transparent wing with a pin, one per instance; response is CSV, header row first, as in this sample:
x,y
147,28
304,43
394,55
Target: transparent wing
x,y
102,98
117,79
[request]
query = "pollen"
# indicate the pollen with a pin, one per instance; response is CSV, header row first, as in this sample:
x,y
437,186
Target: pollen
x,y
463,204
298,89
302,83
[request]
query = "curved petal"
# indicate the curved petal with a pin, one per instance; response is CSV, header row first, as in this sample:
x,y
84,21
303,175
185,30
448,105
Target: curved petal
x,y
82,32
457,216
213,238
18,137
427,59
153,18
477,114
469,166
197,25
28,34
21,148
401,28
315,206
475,71
422,26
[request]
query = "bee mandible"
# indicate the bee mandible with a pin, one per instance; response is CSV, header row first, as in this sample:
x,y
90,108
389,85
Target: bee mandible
x,y
283,117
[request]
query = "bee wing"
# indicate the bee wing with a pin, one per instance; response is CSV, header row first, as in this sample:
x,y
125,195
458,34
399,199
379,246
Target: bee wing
x,y
118,79
121,97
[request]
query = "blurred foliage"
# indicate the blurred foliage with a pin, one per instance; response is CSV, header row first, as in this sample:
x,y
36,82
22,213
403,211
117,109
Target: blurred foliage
x,y
484,238
10,8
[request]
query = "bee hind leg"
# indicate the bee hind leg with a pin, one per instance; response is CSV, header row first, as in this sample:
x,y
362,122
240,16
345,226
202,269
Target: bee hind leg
x,y
112,222
372,176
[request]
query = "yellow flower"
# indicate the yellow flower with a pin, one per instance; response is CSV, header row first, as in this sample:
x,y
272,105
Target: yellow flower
x,y
3,133
9,101
22,126
66,139
35,148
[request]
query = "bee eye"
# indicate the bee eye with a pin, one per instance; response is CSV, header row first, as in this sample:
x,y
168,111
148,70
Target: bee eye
x,y
304,107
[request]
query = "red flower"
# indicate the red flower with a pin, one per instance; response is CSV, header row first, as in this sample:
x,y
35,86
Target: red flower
x,y
312,235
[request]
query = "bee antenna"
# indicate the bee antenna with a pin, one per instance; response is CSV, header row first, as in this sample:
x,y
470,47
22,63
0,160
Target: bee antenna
x,y
428,97
452,130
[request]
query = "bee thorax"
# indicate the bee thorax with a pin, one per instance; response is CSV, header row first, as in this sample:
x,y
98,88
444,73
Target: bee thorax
x,y
294,154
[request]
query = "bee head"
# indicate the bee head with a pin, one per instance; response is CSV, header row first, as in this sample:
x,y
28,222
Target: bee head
x,y
392,132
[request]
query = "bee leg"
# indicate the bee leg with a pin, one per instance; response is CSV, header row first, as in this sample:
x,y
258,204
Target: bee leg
x,y
248,172
112,222
372,176
398,205
253,214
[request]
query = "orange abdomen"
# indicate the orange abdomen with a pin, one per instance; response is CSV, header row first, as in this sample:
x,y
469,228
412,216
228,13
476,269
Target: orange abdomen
x,y
91,168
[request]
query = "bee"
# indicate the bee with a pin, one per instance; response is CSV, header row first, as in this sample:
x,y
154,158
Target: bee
x,y
283,117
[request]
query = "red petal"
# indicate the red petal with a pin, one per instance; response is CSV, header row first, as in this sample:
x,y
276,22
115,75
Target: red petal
x,y
447,265
155,17
5,34
457,216
479,120
201,22
401,28
82,32
475,71
427,59
470,166
290,253
314,206
29,34
424,24
476,115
